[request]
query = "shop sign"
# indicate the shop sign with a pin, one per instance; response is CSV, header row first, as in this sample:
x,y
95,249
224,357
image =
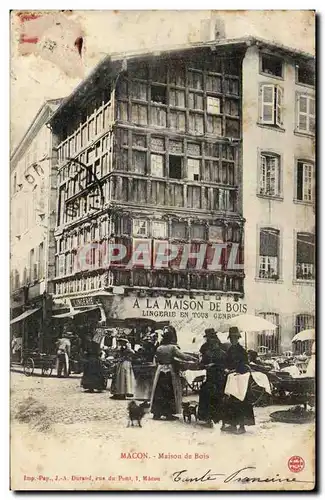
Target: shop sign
x,y
186,308
83,301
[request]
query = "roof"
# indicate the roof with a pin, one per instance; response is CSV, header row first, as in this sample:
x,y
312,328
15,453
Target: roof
x,y
114,57
51,105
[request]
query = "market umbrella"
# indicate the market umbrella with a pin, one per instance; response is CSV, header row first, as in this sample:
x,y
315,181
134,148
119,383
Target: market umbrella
x,y
304,335
249,323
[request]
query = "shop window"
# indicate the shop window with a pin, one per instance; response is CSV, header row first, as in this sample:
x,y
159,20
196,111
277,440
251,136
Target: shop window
x,y
270,339
269,253
140,227
178,230
157,165
306,74
193,169
175,167
272,65
213,105
269,175
159,229
305,256
271,104
304,182
159,94
306,114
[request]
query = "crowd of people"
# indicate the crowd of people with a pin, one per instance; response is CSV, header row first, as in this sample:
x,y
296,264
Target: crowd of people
x,y
163,385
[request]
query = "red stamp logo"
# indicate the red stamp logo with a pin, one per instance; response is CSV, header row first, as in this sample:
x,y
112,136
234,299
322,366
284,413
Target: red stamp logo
x,y
296,463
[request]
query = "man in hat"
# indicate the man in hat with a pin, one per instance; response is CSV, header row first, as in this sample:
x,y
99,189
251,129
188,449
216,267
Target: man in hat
x,y
237,413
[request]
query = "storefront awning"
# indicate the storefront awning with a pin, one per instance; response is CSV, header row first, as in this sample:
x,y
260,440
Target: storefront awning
x,y
72,314
24,315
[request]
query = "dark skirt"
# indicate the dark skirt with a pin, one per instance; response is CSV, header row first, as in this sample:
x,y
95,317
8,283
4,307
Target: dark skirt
x,y
211,401
93,377
238,412
163,402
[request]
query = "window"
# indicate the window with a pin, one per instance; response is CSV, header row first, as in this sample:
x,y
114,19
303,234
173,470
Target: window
x,y
269,253
139,114
159,94
305,256
304,191
158,116
157,165
178,230
197,231
214,125
306,74
306,114
159,229
272,65
177,120
193,169
139,161
270,338
196,123
195,80
304,322
175,167
140,227
195,101
138,90
213,83
177,98
213,105
270,175
271,105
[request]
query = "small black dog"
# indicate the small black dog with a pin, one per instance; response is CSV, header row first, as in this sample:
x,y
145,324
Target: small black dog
x,y
137,412
189,409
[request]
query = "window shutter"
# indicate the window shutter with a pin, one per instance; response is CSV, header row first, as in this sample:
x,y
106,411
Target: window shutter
x,y
302,112
279,106
263,175
267,104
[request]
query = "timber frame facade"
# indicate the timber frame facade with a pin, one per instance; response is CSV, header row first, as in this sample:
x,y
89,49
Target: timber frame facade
x,y
162,135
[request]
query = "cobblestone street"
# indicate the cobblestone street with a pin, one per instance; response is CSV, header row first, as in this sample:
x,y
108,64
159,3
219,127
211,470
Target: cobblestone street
x,y
82,435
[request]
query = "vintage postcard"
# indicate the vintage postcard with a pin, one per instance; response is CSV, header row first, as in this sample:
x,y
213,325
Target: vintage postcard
x,y
162,307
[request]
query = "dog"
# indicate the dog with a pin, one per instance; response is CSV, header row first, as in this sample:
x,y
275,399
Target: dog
x,y
136,412
189,409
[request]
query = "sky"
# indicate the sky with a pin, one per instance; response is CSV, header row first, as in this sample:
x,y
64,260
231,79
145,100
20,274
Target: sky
x,y
36,77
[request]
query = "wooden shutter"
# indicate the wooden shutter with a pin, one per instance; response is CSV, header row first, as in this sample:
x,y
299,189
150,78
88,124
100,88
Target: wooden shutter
x,y
279,106
267,104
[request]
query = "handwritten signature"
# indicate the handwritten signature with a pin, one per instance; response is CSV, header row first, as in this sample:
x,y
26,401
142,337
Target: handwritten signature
x,y
182,476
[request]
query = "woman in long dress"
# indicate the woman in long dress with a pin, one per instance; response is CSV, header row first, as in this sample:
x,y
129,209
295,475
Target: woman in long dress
x,y
123,383
237,413
166,398
93,374
212,391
